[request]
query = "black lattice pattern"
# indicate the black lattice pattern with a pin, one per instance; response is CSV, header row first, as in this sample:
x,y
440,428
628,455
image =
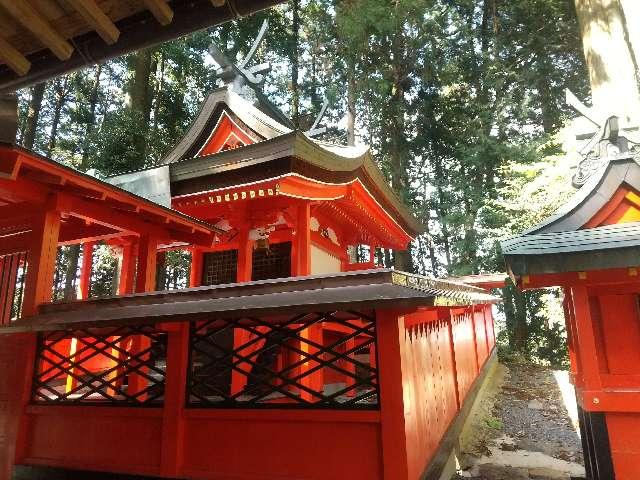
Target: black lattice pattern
x,y
125,366
307,360
220,267
273,262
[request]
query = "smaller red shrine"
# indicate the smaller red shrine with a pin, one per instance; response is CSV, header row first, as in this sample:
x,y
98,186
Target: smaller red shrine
x,y
591,249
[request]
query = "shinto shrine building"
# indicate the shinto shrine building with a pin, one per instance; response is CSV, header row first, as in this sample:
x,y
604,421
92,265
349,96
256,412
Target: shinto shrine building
x,y
591,248
288,356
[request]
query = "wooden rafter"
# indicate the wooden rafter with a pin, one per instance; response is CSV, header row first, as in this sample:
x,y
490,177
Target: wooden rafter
x,y
160,10
28,16
99,21
12,57
218,3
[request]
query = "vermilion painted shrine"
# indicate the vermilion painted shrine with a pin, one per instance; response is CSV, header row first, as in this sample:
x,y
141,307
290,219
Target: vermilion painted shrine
x,y
285,358
590,248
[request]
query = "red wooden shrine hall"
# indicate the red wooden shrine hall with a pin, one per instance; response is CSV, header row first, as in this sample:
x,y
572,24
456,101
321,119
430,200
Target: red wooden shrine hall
x,y
591,248
289,354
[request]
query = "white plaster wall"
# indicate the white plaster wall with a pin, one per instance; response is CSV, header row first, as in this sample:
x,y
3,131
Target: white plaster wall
x,y
323,262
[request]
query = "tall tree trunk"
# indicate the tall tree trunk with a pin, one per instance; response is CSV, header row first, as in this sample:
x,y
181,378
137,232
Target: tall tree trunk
x,y
61,95
73,255
351,105
93,103
33,115
398,150
141,98
158,96
295,63
609,53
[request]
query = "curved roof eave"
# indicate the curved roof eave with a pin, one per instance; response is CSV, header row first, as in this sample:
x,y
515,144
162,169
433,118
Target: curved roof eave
x,y
255,119
592,196
361,164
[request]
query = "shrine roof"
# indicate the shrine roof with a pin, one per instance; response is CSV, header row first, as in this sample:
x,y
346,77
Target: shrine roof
x,y
295,153
577,238
368,289
611,246
29,180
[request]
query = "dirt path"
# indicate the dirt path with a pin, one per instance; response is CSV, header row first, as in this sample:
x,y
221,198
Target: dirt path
x,y
525,429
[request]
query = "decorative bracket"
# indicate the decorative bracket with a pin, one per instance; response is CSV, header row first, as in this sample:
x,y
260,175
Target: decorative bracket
x,y
608,142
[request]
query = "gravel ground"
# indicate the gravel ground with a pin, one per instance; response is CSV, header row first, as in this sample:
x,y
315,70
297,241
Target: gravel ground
x,y
523,429
532,412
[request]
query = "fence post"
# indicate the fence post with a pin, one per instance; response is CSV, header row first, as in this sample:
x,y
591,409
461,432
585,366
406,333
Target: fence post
x,y
174,398
448,317
390,336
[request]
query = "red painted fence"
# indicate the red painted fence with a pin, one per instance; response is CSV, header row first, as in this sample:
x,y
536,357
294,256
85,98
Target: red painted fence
x,y
421,365
443,352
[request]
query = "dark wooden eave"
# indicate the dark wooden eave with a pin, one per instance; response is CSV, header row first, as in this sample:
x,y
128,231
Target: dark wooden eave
x,y
137,31
342,291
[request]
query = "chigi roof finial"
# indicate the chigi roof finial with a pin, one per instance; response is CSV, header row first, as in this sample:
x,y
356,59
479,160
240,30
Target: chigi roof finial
x,y
606,143
240,75
316,129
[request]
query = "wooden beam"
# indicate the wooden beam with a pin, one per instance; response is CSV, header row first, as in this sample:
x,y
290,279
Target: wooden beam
x,y
160,10
42,261
13,58
99,21
218,3
29,17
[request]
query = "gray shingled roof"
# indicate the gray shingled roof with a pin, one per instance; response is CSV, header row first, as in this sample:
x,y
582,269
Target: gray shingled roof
x,y
366,289
590,239
613,246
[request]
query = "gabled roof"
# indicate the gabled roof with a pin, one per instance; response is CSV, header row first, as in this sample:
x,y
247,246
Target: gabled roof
x,y
92,208
264,125
276,150
575,239
593,195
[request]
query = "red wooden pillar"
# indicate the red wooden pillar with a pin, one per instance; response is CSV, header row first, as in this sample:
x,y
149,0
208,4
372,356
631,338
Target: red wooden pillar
x,y
195,274
390,336
302,260
314,334
145,282
38,290
146,271
245,256
9,266
17,357
127,269
174,399
85,272
241,336
588,353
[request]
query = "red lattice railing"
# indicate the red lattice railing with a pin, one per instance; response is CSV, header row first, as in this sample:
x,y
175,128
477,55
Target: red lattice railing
x,y
309,360
123,366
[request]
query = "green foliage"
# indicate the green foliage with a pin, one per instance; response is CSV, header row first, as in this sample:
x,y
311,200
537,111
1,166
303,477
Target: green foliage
x,y
460,101
103,275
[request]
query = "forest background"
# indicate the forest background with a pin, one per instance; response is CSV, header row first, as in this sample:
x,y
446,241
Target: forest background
x,y
461,101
